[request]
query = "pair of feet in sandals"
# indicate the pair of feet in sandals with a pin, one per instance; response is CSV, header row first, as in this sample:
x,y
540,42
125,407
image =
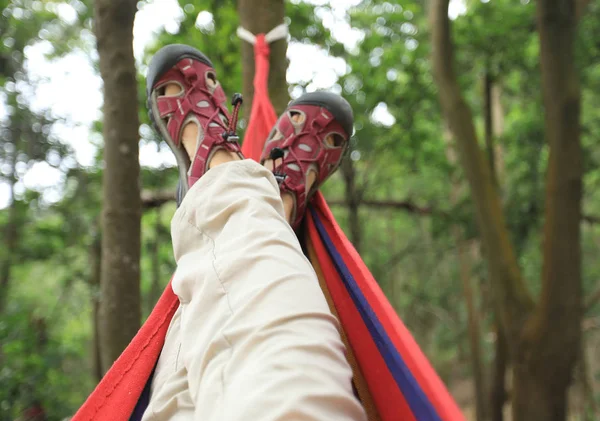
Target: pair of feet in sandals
x,y
187,106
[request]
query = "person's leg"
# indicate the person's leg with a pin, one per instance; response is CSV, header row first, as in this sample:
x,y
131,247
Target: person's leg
x,y
257,337
254,338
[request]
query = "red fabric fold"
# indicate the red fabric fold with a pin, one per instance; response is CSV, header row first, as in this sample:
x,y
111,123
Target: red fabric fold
x,y
117,394
388,404
262,115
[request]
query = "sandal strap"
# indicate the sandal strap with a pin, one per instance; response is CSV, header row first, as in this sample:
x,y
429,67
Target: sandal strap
x,y
190,75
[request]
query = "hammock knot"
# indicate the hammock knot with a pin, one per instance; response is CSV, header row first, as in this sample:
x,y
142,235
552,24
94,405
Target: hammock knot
x,y
281,31
261,48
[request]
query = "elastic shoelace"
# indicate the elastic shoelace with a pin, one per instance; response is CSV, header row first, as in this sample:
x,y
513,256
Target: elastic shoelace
x,y
230,135
278,153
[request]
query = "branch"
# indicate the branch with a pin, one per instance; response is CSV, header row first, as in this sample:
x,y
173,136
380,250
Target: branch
x,y
591,323
580,6
592,300
561,245
155,199
404,205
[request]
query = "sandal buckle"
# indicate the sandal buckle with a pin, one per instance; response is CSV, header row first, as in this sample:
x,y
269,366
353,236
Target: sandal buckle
x,y
279,177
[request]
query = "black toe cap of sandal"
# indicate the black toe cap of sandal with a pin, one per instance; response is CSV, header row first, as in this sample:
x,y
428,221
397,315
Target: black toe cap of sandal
x,y
337,105
167,57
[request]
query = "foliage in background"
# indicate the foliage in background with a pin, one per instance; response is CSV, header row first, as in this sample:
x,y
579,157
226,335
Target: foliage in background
x,y
400,158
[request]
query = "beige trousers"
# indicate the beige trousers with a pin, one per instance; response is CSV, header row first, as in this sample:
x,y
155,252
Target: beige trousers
x,y
253,338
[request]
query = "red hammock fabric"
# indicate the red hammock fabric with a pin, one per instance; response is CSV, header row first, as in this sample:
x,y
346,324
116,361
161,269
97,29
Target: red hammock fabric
x,y
117,394
400,380
262,115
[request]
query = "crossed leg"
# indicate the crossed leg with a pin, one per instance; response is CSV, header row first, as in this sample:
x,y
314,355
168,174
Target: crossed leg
x,y
253,338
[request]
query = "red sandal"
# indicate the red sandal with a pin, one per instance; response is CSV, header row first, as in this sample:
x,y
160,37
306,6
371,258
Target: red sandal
x,y
298,148
197,102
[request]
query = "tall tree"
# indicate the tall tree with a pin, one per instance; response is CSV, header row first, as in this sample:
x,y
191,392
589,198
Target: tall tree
x,y
120,270
10,236
22,143
260,16
560,305
464,265
23,135
543,338
352,196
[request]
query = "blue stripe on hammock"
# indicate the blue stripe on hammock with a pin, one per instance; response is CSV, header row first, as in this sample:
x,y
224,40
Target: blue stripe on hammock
x,y
420,405
143,401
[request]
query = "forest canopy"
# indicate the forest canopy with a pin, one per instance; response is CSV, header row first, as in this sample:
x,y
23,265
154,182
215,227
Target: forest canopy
x,y
472,190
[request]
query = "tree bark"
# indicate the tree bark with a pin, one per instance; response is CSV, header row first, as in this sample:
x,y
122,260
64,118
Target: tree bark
x,y
352,201
464,264
95,258
260,16
497,132
552,337
11,229
580,6
512,298
489,123
120,279
549,334
587,386
479,384
155,286
10,238
592,300
498,394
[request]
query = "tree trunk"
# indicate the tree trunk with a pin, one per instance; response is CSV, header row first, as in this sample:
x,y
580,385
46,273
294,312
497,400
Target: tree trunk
x,y
512,298
589,405
464,263
489,123
498,386
352,199
592,300
120,279
260,16
11,229
497,132
542,342
155,286
552,337
10,237
95,258
473,329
